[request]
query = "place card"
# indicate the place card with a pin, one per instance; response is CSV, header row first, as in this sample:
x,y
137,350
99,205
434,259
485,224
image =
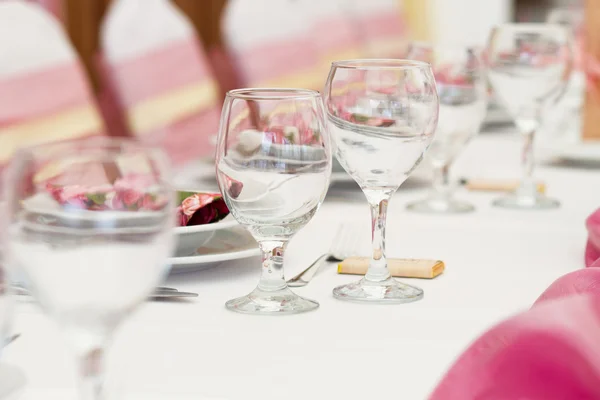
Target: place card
x,y
496,185
399,267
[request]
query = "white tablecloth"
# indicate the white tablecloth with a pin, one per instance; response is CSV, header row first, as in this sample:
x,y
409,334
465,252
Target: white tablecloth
x,y
498,262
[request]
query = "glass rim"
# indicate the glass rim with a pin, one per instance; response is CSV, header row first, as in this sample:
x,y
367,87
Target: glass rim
x,y
261,93
380,63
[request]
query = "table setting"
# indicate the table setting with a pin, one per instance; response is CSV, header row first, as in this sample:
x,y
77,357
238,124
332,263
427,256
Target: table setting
x,y
260,273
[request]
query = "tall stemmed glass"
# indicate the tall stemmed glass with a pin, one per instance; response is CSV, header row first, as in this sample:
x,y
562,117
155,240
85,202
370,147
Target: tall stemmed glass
x,y
89,232
382,115
273,168
461,87
528,67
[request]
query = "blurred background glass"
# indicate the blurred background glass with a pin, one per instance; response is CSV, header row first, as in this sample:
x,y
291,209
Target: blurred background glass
x,y
529,66
461,83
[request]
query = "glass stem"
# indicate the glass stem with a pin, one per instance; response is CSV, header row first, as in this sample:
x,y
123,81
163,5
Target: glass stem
x,y
378,269
272,277
441,182
91,362
527,186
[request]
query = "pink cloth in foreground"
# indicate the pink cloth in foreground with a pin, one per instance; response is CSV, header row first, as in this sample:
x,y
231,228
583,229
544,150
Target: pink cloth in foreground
x,y
551,352
592,250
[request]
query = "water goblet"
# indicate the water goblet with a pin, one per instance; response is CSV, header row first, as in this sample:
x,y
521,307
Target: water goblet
x,y
89,232
528,67
273,167
461,87
382,115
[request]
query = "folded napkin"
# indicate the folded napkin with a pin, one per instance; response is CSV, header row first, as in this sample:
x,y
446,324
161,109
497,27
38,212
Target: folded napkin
x,y
592,251
136,192
550,352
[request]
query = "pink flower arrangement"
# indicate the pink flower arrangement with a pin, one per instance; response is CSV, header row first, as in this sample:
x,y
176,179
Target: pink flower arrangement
x,y
132,192
135,192
201,208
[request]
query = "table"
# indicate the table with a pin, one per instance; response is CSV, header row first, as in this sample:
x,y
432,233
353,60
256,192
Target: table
x,y
498,262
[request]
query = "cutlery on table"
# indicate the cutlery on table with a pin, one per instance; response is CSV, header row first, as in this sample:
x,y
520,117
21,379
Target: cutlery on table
x,y
343,246
159,292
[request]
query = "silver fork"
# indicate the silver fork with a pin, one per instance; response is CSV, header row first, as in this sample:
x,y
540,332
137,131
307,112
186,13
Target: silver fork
x,y
343,246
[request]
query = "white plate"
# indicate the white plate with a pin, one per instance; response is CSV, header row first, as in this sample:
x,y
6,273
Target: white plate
x,y
228,244
191,237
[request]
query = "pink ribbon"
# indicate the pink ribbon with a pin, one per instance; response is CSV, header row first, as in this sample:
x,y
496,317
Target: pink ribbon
x,y
43,92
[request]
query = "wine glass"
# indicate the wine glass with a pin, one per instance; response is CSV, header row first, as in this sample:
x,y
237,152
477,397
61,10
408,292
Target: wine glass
x,y
462,92
89,231
528,67
382,115
273,167
566,122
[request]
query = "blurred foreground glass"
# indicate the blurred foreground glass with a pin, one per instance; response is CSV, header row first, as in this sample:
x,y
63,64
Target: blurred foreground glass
x,y
382,115
461,87
273,167
89,232
528,67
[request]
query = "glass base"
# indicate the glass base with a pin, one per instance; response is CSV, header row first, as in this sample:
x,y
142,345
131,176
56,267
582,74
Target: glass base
x,y
389,291
278,302
441,206
538,202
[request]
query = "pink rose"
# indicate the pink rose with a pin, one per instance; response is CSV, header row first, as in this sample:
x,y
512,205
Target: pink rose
x,y
117,202
79,200
193,203
131,197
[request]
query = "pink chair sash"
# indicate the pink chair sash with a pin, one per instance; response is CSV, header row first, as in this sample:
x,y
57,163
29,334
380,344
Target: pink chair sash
x,y
41,92
335,35
50,105
108,100
382,28
159,73
290,63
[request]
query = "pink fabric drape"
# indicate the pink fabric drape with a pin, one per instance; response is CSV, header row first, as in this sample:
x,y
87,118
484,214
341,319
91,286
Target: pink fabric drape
x,y
33,96
551,352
